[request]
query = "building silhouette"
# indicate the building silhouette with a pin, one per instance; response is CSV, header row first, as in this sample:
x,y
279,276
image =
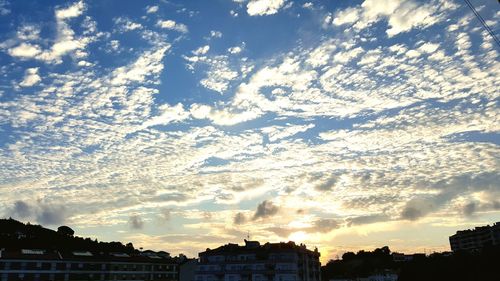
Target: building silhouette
x,y
41,265
476,239
255,262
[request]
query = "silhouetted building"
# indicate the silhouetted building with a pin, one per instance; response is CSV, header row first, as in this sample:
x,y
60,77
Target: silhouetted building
x,y
34,265
475,239
187,269
255,262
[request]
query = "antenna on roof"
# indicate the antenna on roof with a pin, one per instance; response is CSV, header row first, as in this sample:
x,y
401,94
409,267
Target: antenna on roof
x,y
248,235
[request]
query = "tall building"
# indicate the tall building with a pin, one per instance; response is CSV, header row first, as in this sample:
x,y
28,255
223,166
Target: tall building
x,y
475,239
187,269
255,262
44,265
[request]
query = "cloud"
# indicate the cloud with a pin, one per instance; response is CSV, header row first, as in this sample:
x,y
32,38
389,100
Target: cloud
x,y
51,215
150,63
71,11
66,42
240,218
4,8
28,32
136,222
325,225
152,9
125,24
235,50
264,7
429,47
31,77
276,133
22,209
42,212
368,219
280,231
327,185
265,209
25,50
201,50
417,208
219,73
168,114
349,15
172,25
470,208
391,129
166,215
215,34
402,16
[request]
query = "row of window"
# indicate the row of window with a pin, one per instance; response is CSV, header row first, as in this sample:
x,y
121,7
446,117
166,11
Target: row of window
x,y
250,257
254,277
62,277
82,266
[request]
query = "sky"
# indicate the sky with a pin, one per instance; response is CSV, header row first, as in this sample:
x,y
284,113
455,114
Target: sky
x,y
186,125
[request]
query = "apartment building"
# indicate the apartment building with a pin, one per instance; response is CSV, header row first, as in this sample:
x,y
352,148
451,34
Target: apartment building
x,y
255,262
42,265
475,239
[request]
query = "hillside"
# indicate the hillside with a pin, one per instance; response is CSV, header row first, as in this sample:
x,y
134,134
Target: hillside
x,y
17,235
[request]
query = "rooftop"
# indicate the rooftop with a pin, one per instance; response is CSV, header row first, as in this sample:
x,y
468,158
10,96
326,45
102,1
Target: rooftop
x,y
256,247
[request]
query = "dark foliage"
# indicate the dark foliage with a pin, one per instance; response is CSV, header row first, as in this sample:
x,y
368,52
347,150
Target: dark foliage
x,y
17,235
461,266
361,264
65,230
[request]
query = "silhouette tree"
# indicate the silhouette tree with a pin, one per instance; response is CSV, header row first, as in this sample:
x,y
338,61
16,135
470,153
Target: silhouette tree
x,y
65,230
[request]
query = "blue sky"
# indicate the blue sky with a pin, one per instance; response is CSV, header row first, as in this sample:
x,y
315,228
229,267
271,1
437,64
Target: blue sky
x,y
182,125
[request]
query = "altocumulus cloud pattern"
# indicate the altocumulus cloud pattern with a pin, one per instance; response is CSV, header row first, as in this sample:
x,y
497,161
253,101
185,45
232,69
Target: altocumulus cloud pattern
x,y
182,125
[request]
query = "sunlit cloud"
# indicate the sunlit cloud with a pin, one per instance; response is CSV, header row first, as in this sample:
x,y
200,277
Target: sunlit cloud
x,y
367,123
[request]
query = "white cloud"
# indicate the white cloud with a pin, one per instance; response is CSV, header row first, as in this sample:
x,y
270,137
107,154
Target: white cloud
x,y
345,57
125,24
31,77
411,15
201,50
321,54
25,50
349,15
152,9
264,7
413,54
85,63
215,34
276,133
219,74
308,5
233,13
114,44
28,32
402,15
148,64
235,50
218,77
370,57
85,129
72,11
65,43
172,25
429,47
4,10
168,115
